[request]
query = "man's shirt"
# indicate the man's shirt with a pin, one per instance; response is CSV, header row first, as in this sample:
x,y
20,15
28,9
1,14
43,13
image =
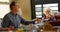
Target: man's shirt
x,y
14,20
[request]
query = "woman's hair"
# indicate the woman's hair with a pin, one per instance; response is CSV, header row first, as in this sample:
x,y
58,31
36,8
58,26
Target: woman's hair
x,y
48,9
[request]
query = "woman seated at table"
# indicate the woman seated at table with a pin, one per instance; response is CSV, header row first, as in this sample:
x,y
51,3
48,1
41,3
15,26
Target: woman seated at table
x,y
48,15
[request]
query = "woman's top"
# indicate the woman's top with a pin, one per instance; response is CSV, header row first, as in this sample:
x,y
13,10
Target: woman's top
x,y
52,18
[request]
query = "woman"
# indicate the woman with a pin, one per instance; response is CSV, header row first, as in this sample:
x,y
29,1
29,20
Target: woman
x,y
48,15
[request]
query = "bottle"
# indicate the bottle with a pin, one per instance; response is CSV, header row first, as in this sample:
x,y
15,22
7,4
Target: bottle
x,y
19,30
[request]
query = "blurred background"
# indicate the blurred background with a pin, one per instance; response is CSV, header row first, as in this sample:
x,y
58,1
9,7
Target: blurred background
x,y
30,9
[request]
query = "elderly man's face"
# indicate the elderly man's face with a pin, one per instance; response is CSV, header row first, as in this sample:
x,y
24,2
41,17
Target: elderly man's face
x,y
15,8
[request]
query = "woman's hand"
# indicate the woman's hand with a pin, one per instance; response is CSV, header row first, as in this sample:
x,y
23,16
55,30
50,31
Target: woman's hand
x,y
37,20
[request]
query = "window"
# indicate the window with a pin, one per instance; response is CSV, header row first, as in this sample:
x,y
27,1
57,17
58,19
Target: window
x,y
4,0
38,9
53,7
4,8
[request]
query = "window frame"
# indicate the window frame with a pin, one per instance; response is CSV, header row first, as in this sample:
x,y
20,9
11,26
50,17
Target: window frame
x,y
50,7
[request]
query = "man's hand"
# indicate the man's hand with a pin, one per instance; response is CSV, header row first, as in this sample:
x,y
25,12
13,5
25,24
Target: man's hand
x,y
8,28
11,28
